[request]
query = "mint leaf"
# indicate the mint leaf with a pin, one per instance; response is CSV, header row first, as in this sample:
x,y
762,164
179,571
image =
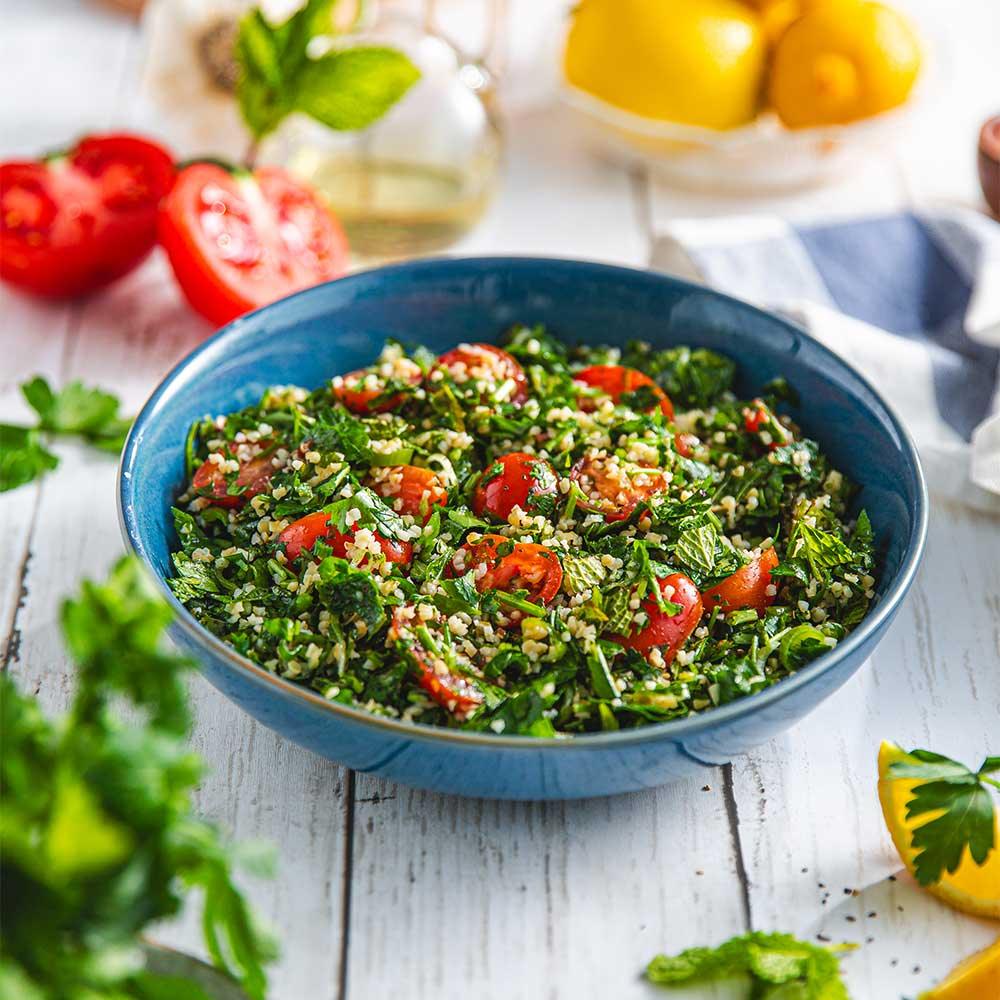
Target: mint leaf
x,y
352,88
779,965
261,89
23,457
822,549
967,813
695,549
582,572
344,89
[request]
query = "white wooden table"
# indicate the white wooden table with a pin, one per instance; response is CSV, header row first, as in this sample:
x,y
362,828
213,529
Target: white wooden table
x,y
386,891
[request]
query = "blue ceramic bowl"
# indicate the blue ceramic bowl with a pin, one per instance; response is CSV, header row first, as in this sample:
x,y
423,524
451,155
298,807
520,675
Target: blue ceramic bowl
x,y
340,326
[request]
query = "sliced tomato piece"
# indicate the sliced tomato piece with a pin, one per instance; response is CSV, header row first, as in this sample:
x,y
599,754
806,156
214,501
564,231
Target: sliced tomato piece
x,y
684,444
237,241
364,391
617,381
501,564
486,363
511,481
410,489
254,475
667,632
452,691
306,531
747,587
74,222
614,488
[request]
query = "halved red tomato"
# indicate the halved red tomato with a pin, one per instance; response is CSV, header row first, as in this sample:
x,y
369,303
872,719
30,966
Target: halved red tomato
x,y
238,240
359,390
747,587
458,694
617,381
306,531
615,488
511,481
254,474
488,364
667,632
74,222
409,489
523,566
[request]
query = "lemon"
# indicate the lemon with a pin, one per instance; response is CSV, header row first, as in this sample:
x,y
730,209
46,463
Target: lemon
x,y
842,61
973,888
698,62
977,978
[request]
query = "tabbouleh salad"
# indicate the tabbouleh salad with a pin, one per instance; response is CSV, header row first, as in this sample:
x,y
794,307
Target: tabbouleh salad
x,y
539,540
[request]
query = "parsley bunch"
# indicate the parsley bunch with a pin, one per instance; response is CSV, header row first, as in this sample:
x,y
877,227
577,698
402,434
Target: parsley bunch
x,y
964,806
77,410
97,837
779,966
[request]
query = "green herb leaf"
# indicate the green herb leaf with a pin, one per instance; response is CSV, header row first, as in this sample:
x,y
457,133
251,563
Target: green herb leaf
x,y
98,838
695,549
822,549
779,965
967,814
77,409
352,88
343,89
582,572
23,457
89,413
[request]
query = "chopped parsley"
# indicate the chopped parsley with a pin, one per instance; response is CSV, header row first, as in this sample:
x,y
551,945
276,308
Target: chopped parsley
x,y
366,540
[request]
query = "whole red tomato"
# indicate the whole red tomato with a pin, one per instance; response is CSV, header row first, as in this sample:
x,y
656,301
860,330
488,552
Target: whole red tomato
x,y
75,221
238,240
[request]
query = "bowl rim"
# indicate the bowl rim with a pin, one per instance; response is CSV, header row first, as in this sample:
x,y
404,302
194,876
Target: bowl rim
x,y
764,129
687,725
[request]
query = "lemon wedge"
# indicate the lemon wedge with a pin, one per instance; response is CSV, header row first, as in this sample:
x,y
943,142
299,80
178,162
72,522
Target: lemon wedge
x,y
977,978
972,888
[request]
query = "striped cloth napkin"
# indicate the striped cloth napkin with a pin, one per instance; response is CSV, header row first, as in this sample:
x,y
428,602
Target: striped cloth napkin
x,y
911,300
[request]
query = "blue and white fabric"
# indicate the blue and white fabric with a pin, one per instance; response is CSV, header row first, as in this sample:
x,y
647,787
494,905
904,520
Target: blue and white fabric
x,y
911,299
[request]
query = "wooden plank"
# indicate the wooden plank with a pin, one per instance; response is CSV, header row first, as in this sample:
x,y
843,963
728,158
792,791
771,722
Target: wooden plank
x,y
458,898
454,898
260,786
810,821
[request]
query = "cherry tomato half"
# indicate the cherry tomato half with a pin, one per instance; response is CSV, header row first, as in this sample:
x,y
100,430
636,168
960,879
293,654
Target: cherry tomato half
x,y
76,221
409,489
615,489
238,240
616,381
484,363
684,444
664,631
254,475
306,531
358,390
458,694
511,481
747,587
526,566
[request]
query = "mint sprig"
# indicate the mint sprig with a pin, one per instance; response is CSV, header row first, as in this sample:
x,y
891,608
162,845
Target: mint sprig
x,y
344,89
967,816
